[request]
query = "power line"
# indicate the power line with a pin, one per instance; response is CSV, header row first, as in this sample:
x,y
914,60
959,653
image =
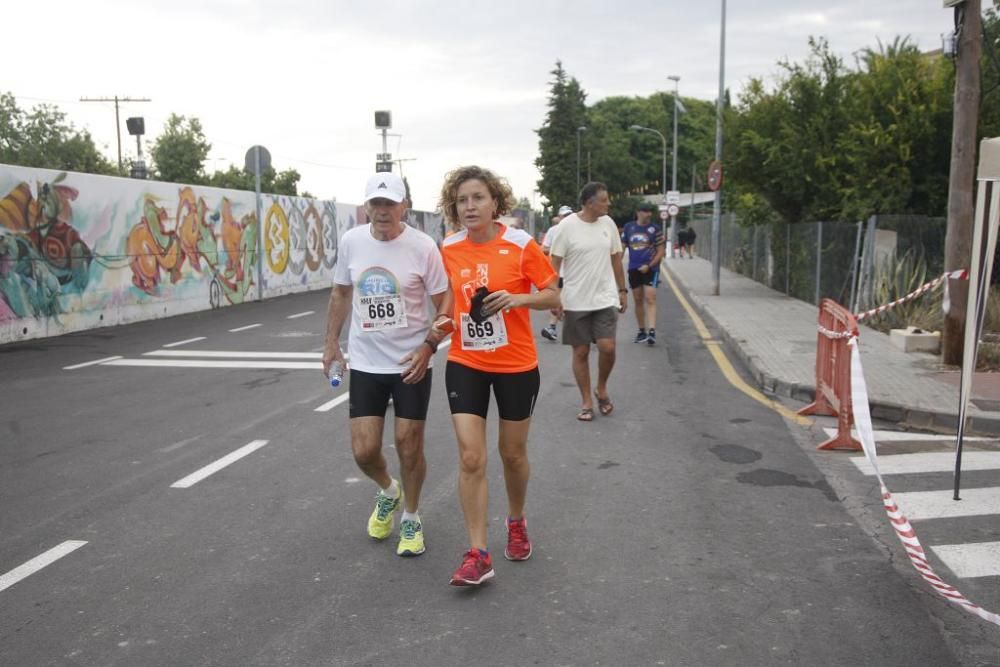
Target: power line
x,y
118,128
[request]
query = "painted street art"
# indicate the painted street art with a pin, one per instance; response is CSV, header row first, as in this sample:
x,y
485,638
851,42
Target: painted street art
x,y
79,251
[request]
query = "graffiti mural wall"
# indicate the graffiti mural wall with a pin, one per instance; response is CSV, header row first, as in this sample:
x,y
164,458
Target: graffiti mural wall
x,y
79,251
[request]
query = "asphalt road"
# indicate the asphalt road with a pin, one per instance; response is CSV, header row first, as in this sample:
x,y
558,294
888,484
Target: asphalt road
x,y
691,527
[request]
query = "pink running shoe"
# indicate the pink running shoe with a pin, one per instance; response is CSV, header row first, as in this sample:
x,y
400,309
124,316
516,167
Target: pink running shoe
x,y
518,544
474,570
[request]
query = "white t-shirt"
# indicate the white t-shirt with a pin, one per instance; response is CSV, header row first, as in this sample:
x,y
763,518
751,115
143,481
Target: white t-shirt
x,y
586,249
550,236
390,311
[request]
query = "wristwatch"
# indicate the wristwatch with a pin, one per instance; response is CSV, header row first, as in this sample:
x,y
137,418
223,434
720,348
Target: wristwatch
x,y
623,291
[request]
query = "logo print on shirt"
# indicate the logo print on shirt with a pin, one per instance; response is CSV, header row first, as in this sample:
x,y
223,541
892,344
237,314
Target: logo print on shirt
x,y
504,251
376,280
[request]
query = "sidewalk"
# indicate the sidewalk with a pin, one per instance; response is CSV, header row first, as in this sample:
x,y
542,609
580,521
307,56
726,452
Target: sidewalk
x,y
775,336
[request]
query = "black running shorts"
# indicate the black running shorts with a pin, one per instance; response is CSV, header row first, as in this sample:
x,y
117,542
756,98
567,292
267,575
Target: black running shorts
x,y
369,395
469,391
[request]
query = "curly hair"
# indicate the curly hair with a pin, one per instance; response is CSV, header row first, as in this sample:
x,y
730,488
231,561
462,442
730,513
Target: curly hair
x,y
498,187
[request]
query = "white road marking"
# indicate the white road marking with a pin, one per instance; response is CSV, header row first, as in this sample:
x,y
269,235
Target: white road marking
x,y
227,354
209,363
298,315
904,464
330,405
919,505
90,363
215,467
179,444
249,326
184,342
977,559
903,436
38,562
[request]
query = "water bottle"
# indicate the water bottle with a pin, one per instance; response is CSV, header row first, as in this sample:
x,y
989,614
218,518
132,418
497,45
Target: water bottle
x,y
336,374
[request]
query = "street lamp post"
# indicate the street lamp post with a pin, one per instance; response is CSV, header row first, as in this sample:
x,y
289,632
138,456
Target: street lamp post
x,y
580,129
717,207
673,186
640,128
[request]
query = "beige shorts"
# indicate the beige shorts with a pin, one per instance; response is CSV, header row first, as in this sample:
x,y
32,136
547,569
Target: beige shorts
x,y
583,327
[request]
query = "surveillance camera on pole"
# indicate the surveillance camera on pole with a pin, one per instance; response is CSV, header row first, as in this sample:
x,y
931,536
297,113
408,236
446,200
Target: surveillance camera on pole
x,y
137,127
383,121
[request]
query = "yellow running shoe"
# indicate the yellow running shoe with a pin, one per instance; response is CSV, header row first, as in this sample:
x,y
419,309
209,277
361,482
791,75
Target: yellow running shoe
x,y
411,538
380,522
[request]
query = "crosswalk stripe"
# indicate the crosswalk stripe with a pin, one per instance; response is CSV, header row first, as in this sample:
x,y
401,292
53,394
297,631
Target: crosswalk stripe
x,y
919,505
977,559
902,464
212,363
903,436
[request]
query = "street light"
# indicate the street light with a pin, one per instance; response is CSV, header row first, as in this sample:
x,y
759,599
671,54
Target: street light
x,y
580,129
673,218
640,128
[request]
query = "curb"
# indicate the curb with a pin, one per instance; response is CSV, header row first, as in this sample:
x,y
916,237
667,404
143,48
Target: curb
x,y
939,422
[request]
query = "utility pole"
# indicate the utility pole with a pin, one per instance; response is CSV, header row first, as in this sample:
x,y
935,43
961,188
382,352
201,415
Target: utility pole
x,y
118,125
961,179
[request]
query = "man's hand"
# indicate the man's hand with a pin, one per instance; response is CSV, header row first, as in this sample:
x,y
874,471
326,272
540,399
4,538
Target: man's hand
x,y
558,312
330,354
644,268
622,301
417,360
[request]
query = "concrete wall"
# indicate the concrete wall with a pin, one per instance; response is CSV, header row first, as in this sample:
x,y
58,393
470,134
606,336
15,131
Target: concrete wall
x,y
79,251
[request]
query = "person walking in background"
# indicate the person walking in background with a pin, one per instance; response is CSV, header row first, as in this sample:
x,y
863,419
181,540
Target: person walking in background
x,y
588,253
685,239
549,332
646,246
385,272
492,269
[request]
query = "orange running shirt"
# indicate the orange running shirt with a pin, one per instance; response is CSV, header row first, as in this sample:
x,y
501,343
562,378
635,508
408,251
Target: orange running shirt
x,y
512,261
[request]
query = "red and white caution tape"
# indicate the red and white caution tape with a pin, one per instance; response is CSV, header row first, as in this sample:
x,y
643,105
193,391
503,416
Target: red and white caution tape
x,y
904,531
961,274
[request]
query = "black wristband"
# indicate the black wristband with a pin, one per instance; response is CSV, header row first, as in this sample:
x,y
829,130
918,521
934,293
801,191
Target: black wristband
x,y
623,291
431,344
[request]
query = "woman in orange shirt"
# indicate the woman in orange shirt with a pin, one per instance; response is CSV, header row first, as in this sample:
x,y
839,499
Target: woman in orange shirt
x,y
491,268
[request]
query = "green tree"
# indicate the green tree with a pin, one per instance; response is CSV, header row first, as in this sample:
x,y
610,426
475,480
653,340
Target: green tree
x,y
271,181
179,153
557,139
43,138
783,145
895,151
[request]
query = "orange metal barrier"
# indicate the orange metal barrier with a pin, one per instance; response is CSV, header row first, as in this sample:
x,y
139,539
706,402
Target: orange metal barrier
x,y
833,372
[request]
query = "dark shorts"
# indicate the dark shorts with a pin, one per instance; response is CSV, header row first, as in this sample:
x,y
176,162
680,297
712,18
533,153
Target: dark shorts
x,y
583,327
369,395
637,279
469,391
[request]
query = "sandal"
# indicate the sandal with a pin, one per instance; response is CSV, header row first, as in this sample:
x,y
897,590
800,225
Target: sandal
x,y
586,415
604,405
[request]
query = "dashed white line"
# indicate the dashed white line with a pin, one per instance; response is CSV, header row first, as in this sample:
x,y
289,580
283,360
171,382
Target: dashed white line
x,y
976,559
184,342
90,363
215,467
38,562
298,315
227,354
330,405
249,326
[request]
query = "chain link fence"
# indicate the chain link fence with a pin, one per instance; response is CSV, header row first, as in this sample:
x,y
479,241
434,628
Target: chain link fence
x,y
837,260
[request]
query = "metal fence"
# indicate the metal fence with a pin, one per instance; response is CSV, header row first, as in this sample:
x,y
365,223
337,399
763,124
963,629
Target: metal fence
x,y
816,260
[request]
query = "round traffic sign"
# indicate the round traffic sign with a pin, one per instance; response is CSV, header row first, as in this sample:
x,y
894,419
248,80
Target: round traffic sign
x,y
714,175
664,215
673,209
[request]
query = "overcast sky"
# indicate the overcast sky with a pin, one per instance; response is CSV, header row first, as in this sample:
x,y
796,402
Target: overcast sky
x,y
466,82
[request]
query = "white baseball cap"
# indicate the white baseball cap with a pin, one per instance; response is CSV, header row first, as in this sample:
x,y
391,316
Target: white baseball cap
x,y
386,185
565,210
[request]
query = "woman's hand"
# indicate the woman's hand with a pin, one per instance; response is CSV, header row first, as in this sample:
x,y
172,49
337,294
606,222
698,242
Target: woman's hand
x,y
501,300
